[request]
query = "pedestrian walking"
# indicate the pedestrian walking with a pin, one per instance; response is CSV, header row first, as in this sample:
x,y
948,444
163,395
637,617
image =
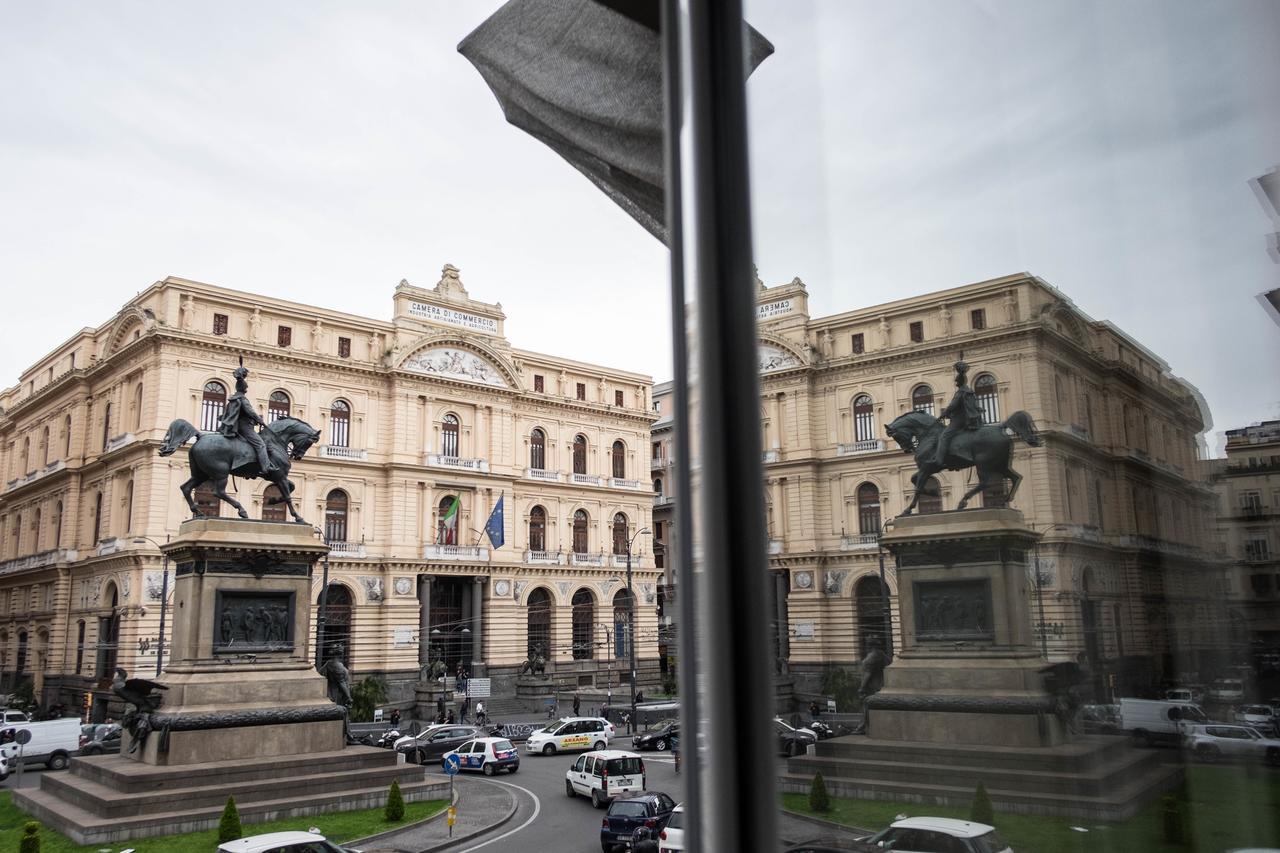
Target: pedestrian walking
x,y
481,719
577,705
466,703
440,707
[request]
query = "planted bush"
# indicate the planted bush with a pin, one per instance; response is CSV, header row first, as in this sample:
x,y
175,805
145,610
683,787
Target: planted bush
x,y
30,842
819,800
395,803
229,827
981,811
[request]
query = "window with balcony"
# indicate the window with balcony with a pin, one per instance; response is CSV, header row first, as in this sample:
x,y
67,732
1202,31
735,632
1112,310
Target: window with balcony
x,y
978,319
584,619
213,402
864,423
1257,548
335,516
340,424
868,509
620,534
284,336
538,451
922,399
106,426
447,520
36,521
79,647
619,457
220,323
97,518
344,347
278,406
57,524
580,454
916,330
985,390
449,435
657,485
537,529
859,344
580,521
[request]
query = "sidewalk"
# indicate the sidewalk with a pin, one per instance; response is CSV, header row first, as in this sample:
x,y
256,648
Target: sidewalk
x,y
481,806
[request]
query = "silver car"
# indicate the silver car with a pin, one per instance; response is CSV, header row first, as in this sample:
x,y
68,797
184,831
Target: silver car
x,y
1212,742
1261,717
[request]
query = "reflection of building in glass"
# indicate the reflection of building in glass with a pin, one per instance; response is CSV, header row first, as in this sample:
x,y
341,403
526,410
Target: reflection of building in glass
x,y
1117,490
1248,487
425,421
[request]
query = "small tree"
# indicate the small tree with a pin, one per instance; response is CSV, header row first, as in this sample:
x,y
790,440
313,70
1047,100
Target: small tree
x,y
981,811
395,803
367,694
24,697
30,838
819,800
229,827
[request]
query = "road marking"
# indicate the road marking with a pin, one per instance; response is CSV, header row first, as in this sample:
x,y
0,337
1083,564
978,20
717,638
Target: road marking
x,y
537,809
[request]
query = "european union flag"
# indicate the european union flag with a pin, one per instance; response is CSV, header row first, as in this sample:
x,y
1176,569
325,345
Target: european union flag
x,y
493,528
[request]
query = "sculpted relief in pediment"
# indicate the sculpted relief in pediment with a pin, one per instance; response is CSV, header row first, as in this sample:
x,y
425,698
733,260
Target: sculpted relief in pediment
x,y
454,363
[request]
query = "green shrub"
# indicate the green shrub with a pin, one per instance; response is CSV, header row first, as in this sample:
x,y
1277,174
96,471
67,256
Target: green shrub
x,y
981,811
367,694
819,800
395,803
30,838
229,827
24,697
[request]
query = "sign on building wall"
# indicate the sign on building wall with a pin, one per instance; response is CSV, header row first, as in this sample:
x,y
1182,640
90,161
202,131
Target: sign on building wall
x,y
402,637
770,310
462,319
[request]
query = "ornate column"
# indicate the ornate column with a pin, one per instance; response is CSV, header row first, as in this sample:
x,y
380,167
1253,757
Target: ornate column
x,y
424,619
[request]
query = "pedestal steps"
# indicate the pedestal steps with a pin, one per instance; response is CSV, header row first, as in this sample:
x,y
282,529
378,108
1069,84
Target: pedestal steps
x,y
1101,779
111,798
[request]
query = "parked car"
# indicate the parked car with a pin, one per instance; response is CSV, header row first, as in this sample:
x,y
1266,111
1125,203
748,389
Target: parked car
x,y
940,833
1261,717
671,838
1152,721
4,768
657,736
569,734
834,845
1227,690
1100,719
1188,695
52,743
1214,742
283,842
104,739
605,774
792,741
486,754
630,811
434,741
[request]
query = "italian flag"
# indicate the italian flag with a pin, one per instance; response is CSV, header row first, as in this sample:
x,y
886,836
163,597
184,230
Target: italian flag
x,y
450,521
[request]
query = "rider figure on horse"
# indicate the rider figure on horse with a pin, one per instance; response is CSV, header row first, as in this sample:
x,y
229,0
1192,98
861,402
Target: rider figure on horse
x,y
239,418
962,413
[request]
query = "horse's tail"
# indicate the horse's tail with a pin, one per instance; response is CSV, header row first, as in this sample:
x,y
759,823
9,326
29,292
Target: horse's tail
x,y
1023,427
180,432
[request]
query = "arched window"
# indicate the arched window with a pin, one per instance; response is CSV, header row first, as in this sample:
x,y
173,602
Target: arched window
x,y
922,399
619,455
128,508
66,436
864,427
539,622
337,607
580,532
449,435
135,416
80,646
44,447
537,529
106,426
580,454
207,500
109,634
97,519
984,388
870,608
620,534
26,457
278,406
335,516
584,617
930,497
340,424
270,511
57,525
868,509
538,450
621,623
657,485
212,404
447,520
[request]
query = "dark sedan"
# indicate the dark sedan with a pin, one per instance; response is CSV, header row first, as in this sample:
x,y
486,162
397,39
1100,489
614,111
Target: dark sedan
x,y
792,741
630,811
657,736
431,743
105,739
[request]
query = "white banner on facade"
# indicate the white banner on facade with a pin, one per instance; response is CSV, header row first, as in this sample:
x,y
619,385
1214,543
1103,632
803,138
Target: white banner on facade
x,y
773,309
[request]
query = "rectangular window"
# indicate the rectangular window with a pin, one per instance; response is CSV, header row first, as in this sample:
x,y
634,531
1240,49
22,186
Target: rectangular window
x,y
582,391
284,336
859,344
1257,549
978,319
344,347
539,384
617,399
917,332
219,324
80,648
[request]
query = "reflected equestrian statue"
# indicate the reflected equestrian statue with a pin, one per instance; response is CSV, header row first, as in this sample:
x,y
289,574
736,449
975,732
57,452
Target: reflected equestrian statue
x,y
965,443
237,448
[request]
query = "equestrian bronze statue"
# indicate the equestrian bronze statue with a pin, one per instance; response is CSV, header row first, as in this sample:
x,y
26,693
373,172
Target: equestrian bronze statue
x,y
238,449
964,443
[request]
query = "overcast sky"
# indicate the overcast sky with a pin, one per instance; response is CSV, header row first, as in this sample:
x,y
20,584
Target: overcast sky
x,y
320,152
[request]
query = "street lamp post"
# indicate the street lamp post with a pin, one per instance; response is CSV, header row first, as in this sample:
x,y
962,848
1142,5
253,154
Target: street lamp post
x,y
164,598
631,623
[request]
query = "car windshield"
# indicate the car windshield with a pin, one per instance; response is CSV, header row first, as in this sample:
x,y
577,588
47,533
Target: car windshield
x,y
502,745
624,766
660,725
676,821
628,808
989,843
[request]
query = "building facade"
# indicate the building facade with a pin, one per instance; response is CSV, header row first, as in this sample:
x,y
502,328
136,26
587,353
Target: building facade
x,y
429,409
1125,576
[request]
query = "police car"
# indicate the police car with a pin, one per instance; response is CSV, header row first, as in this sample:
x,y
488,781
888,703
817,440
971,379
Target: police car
x,y
486,754
571,733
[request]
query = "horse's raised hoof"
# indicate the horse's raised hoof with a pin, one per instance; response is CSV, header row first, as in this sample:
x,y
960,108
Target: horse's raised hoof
x,y
962,504
198,514
242,514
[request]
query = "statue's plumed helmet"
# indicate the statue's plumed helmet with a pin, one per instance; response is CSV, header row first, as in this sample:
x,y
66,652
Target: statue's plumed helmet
x,y
961,367
240,372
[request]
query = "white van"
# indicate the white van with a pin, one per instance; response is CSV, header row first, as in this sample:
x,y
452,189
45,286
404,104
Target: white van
x,y
604,774
1152,721
52,743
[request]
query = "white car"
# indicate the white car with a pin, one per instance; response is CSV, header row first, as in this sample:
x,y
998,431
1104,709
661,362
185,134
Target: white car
x,y
571,733
1227,690
671,839
803,729
604,774
284,842
1261,717
1212,742
919,834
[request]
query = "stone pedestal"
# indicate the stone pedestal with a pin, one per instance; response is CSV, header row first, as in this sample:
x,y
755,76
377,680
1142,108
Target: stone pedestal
x,y
534,687
426,696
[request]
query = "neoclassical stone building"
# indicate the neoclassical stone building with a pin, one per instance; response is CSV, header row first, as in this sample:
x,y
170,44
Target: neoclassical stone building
x,y
430,407
1118,489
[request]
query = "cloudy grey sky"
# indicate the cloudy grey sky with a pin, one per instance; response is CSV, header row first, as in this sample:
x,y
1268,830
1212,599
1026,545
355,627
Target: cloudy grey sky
x,y
323,151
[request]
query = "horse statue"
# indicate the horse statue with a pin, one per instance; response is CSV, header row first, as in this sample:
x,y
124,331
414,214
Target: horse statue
x,y
987,448
215,457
